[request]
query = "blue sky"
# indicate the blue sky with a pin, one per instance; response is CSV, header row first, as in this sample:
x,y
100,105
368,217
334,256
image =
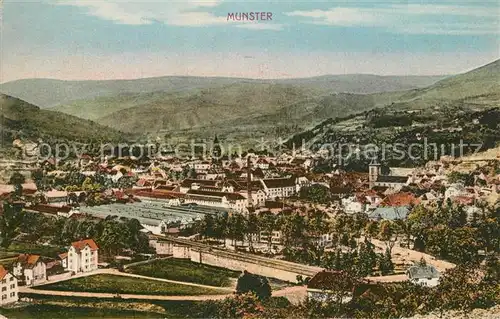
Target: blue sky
x,y
98,39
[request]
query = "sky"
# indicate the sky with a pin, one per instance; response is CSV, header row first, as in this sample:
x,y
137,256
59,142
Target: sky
x,y
117,39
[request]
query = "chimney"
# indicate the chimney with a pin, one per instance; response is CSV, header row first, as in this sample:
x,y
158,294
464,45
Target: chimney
x,y
249,182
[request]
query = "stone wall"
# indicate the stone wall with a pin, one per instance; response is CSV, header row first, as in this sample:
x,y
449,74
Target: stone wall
x,y
239,261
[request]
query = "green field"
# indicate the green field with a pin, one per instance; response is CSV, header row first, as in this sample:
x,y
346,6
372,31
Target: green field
x,y
186,270
128,285
48,311
31,248
50,307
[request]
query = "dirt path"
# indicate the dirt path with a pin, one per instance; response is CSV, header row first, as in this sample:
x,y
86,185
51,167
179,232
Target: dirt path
x,y
123,296
410,255
125,274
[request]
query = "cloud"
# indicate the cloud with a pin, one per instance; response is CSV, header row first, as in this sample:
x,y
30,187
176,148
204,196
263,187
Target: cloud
x,y
411,18
261,26
185,13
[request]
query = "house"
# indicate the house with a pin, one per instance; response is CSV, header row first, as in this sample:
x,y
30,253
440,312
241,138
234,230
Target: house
x,y
8,287
155,226
389,213
189,183
30,269
202,166
279,187
262,163
276,237
425,275
56,197
353,205
233,201
83,256
64,260
320,286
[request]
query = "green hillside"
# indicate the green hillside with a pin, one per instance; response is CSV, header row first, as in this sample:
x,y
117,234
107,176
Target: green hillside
x,y
465,108
480,86
20,119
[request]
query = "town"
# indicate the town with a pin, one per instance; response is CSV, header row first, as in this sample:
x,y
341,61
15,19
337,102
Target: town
x,y
244,160
123,226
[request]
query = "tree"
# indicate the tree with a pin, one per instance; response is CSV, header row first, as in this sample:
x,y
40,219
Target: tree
x,y
237,224
252,229
267,223
385,263
293,230
113,237
388,233
371,229
11,218
208,226
464,288
367,259
316,193
258,285
17,179
220,226
340,286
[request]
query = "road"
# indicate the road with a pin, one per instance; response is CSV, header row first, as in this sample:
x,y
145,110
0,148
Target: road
x,y
409,255
294,293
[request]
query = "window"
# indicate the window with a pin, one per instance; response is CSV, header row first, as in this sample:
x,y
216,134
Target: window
x,y
11,278
4,288
13,294
4,281
12,286
4,297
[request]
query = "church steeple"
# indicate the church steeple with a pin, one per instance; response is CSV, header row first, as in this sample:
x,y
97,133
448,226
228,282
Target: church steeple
x,y
216,149
374,170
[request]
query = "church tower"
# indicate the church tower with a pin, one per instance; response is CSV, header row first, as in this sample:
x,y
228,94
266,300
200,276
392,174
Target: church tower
x,y
374,170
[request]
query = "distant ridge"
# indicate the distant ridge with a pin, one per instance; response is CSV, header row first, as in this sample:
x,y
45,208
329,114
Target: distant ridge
x,y
50,92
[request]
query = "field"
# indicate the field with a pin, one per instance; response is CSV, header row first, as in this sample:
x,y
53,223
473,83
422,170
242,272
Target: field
x,y
128,285
188,271
48,311
31,248
49,307
8,256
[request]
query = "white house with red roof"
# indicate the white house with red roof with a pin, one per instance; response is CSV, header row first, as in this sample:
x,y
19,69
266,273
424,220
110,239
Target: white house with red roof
x,y
30,269
82,256
9,289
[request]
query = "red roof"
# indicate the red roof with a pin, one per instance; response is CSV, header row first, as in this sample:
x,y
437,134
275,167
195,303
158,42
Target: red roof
x,y
51,209
160,194
27,260
400,199
3,272
79,245
63,255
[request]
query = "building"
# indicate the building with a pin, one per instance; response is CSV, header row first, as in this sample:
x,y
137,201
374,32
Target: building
x,y
389,213
279,187
231,201
320,286
394,178
8,287
83,256
276,237
30,269
425,275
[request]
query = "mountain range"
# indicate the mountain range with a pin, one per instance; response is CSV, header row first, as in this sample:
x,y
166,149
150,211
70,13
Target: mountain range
x,y
243,109
50,92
